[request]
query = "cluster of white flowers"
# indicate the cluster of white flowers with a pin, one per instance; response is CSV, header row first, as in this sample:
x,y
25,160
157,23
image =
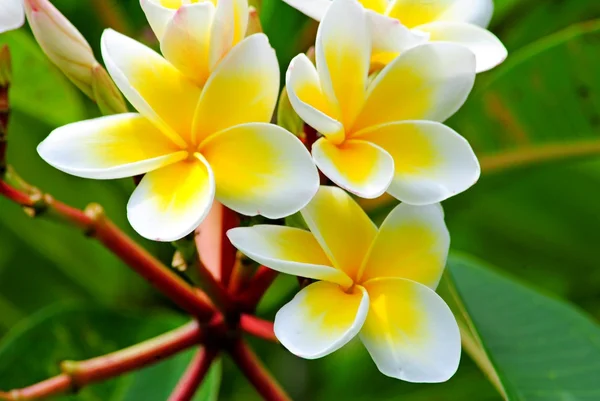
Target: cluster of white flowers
x,y
387,75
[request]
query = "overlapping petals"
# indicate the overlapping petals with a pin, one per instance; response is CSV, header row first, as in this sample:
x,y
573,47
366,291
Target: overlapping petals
x,y
398,25
378,283
385,135
195,35
185,138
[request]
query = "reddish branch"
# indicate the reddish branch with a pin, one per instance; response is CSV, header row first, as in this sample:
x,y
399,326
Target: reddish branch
x,y
258,327
256,373
78,374
257,287
194,375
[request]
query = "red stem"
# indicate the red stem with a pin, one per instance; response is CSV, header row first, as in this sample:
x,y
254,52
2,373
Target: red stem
x,y
256,373
79,374
257,287
258,327
193,376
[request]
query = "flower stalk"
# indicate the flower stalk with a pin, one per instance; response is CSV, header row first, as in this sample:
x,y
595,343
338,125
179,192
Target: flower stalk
x,y
194,375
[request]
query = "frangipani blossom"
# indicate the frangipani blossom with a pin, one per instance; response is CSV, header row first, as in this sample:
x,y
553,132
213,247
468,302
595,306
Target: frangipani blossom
x,y
377,283
400,24
12,15
195,35
191,143
384,133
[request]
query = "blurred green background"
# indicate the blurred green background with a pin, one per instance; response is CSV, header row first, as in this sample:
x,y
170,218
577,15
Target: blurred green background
x,y
534,216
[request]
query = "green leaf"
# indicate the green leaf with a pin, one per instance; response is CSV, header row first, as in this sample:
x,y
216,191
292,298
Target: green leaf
x,y
38,87
541,105
534,347
32,351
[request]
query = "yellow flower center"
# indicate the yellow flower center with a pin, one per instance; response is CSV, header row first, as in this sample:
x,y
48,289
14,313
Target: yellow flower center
x,y
175,4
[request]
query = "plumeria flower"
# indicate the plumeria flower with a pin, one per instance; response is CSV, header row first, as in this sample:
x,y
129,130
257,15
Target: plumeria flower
x,y
400,24
12,15
384,133
377,283
195,35
191,143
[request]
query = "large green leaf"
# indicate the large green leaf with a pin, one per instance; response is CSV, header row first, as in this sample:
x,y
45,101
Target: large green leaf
x,y
33,350
541,104
534,347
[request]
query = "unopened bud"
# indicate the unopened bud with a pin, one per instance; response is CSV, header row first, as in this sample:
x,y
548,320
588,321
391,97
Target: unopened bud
x,y
62,43
106,94
254,25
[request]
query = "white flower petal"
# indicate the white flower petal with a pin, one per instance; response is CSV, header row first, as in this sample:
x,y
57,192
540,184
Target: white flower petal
x,y
228,28
489,50
261,169
158,16
432,162
12,15
478,12
412,243
343,56
428,82
315,9
341,227
169,203
321,319
390,37
186,40
410,332
308,100
288,250
152,85
123,145
360,167
242,89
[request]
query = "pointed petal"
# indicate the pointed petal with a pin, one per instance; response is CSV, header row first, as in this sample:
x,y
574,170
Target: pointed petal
x,y
151,84
158,16
123,145
251,72
343,52
308,100
187,39
412,243
390,38
359,167
410,332
272,174
489,51
288,250
341,227
12,15
315,9
428,82
169,203
431,160
321,319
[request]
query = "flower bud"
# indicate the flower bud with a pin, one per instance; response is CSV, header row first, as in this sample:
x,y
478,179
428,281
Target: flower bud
x,y
106,94
62,43
11,15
